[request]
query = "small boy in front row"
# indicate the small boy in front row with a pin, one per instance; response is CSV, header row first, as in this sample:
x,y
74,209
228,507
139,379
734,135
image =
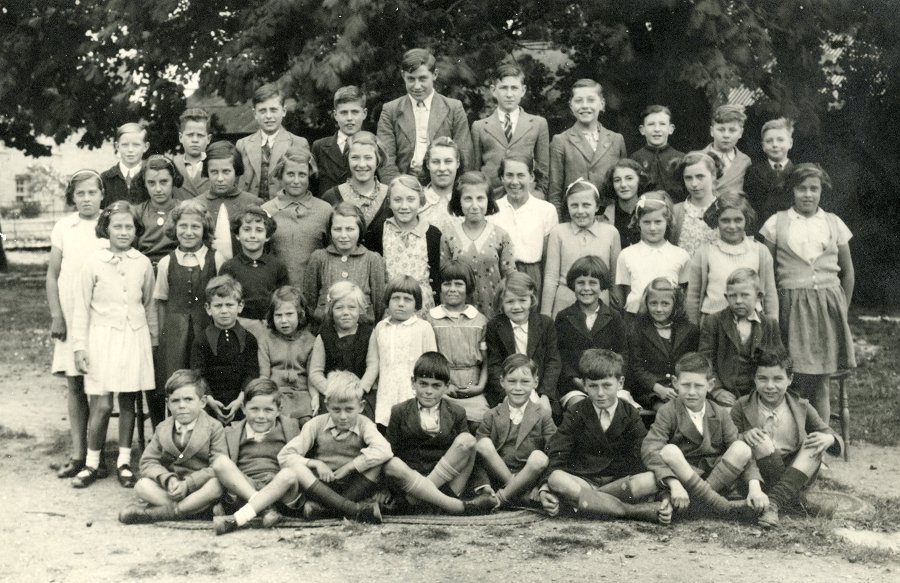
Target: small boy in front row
x,y
434,451
176,478
693,446
512,436
334,462
226,354
253,447
595,463
787,436
730,337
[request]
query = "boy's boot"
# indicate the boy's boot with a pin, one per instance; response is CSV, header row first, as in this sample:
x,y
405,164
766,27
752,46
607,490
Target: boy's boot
x,y
138,514
483,503
370,513
781,495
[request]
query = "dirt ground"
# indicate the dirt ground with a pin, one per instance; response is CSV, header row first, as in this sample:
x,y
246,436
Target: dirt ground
x,y
52,532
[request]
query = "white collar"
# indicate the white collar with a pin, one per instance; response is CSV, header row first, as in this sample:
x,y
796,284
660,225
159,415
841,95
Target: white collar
x,y
268,138
179,428
408,322
524,326
513,116
129,172
427,101
439,312
698,415
783,163
330,425
200,254
794,215
611,409
108,256
251,434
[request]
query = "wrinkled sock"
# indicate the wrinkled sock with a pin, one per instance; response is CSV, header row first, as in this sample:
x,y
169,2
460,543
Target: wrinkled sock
x,y
788,487
92,460
124,458
244,515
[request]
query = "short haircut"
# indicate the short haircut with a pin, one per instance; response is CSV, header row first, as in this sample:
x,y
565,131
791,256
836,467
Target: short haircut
x,y
407,181
224,286
406,285
588,266
773,357
590,83
262,387
118,207
193,114
432,365
599,363
440,142
803,171
609,191
415,58
252,214
694,362
663,285
223,150
730,200
514,362
712,163
83,176
743,275
651,109
516,283
288,294
508,70
364,138
184,377
779,123
342,386
131,128
266,92
471,179
653,201
294,154
349,94
581,185
344,290
527,160
458,270
190,207
348,209
158,162
729,113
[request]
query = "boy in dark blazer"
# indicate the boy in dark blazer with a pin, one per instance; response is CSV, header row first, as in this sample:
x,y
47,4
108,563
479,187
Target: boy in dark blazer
x,y
176,478
510,131
764,181
595,465
125,180
517,317
409,123
692,438
434,453
730,338
586,150
787,436
349,112
512,436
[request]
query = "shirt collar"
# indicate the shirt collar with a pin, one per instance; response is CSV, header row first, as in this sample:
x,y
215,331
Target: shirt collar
x,y
189,163
753,317
439,312
242,257
524,326
594,229
794,215
513,115
427,101
257,436
283,201
179,428
359,250
265,138
419,230
329,425
783,163
341,138
408,322
125,171
108,256
200,254
696,414
611,409
432,410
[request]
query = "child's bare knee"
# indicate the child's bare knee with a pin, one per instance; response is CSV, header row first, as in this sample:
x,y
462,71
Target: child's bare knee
x,y
485,446
739,453
557,480
670,453
395,468
538,460
465,441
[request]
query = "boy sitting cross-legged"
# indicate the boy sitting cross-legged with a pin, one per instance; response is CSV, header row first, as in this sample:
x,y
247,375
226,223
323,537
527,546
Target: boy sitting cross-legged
x,y
335,460
435,452
176,478
692,438
787,436
595,463
253,447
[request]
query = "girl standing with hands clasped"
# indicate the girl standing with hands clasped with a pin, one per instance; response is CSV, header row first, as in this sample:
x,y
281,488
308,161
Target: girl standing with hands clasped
x,y
112,334
815,277
485,247
699,172
72,240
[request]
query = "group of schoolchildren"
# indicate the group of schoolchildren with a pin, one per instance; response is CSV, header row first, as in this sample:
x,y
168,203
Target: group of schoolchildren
x,y
362,326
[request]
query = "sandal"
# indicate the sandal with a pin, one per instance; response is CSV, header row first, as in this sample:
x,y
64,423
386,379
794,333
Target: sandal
x,y
70,469
85,477
126,476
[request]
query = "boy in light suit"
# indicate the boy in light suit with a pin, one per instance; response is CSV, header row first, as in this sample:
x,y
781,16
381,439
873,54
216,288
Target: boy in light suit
x,y
177,480
349,112
726,129
510,130
262,150
409,123
194,137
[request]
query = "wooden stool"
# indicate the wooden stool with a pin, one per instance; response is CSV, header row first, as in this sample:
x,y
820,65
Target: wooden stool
x,y
843,416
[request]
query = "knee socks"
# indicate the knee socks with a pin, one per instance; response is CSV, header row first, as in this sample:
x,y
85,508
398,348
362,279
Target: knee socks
x,y
788,487
702,491
771,468
723,475
446,472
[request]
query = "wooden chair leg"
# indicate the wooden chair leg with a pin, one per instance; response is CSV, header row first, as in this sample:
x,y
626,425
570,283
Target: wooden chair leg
x,y
845,416
139,418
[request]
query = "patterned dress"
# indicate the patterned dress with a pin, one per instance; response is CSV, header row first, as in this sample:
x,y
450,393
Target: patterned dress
x,y
694,230
406,253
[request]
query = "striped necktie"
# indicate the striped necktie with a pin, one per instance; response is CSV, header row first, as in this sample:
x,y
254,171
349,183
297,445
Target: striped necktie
x,y
507,128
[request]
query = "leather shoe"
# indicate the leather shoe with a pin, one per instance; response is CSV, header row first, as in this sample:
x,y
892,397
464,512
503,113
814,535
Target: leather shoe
x,y
126,476
85,477
70,469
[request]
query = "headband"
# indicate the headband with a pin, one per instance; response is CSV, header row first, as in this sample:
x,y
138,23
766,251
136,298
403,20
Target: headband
x,y
643,201
93,173
582,180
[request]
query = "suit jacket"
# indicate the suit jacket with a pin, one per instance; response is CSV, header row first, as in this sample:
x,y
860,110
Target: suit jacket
x,y
542,349
581,447
745,415
397,132
412,444
235,432
652,359
765,191
250,148
333,166
732,179
721,343
535,429
115,188
226,378
162,459
571,156
573,338
531,139
196,187
673,425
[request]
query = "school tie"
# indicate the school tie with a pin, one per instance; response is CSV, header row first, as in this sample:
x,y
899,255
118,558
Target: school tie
x,y
777,166
507,128
605,419
127,178
264,171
